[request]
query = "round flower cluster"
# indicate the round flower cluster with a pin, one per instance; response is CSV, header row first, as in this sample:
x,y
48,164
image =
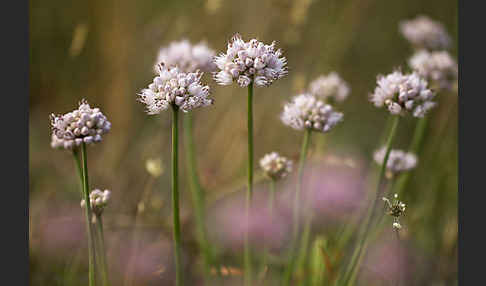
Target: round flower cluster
x,y
275,166
175,88
403,92
247,62
305,111
84,124
330,87
187,57
437,67
396,210
424,32
398,160
98,200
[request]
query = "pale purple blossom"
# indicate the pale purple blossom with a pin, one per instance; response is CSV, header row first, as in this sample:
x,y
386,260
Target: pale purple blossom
x,y
425,33
83,125
439,68
250,62
171,87
330,87
403,93
187,57
275,166
305,111
398,160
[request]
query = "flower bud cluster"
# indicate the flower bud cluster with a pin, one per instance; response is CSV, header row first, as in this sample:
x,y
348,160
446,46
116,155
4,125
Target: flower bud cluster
x,y
275,166
84,124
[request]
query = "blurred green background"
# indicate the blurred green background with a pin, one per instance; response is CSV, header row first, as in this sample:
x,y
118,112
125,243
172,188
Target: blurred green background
x,y
104,51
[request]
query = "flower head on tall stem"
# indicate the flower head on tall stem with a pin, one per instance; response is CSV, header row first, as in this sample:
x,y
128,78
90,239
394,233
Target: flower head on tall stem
x,y
329,87
98,200
84,124
439,68
250,62
172,87
403,93
305,111
275,166
395,208
425,33
186,56
398,161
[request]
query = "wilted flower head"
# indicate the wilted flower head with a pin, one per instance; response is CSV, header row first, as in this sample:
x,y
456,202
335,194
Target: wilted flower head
x,y
175,88
402,93
423,32
98,200
330,87
396,210
276,166
247,62
187,57
305,111
84,124
437,67
398,160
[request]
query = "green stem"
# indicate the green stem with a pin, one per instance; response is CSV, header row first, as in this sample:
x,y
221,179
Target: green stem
x,y
247,253
418,135
88,213
296,207
351,272
175,196
415,146
197,194
102,252
271,202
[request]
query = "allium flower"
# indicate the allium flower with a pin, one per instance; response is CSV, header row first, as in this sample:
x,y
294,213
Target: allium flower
x,y
188,57
402,93
396,210
247,62
423,32
276,166
398,160
175,88
330,87
439,68
84,124
98,200
305,111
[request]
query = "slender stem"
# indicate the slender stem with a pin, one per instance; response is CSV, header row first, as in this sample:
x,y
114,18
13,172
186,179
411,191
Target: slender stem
x,y
271,202
102,252
175,197
197,193
418,134
353,265
88,213
398,257
247,254
296,207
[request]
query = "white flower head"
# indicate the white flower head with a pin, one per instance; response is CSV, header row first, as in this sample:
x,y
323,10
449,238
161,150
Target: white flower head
x,y
98,200
175,88
330,87
439,68
247,62
425,33
398,160
305,111
186,56
403,93
275,166
84,124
